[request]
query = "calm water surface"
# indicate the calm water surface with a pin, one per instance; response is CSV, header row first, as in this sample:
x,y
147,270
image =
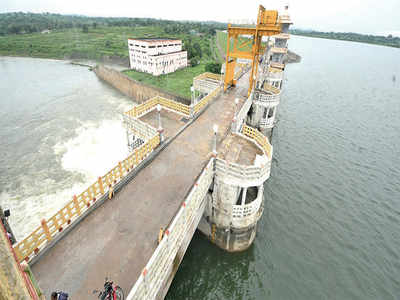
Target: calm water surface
x,y
331,227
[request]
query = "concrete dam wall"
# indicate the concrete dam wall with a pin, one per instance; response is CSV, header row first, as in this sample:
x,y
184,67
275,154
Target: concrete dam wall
x,y
138,91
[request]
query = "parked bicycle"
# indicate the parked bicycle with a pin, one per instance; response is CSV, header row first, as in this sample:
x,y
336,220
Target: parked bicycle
x,y
111,291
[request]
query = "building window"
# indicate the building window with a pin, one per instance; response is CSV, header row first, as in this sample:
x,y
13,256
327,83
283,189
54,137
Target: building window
x,y
251,195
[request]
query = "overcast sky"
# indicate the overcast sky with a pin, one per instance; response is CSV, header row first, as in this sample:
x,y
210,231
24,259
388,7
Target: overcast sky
x,y
367,16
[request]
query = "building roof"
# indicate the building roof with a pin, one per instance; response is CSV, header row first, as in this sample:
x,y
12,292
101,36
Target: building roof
x,y
154,40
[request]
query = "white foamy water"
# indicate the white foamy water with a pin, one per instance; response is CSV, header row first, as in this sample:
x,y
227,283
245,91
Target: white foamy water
x,y
95,149
56,139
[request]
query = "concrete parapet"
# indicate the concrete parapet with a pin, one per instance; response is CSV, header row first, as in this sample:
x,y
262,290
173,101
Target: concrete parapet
x,y
12,282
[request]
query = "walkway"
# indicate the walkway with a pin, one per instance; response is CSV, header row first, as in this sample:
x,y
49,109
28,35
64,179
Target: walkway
x,y
118,238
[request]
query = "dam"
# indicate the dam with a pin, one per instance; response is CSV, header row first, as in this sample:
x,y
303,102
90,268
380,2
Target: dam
x,y
199,166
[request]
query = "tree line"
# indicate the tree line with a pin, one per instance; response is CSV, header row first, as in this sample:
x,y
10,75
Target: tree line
x,y
388,40
20,23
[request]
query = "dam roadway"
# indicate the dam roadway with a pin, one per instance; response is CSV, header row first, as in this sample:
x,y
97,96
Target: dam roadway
x,y
118,238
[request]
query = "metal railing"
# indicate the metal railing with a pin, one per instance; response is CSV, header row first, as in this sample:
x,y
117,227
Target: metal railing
x,y
151,104
171,105
207,75
161,263
50,228
207,99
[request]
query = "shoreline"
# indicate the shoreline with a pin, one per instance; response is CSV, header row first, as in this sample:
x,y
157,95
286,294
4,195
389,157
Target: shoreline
x,y
343,40
88,63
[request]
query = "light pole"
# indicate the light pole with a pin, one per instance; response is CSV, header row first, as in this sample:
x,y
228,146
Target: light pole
x,y
215,129
160,129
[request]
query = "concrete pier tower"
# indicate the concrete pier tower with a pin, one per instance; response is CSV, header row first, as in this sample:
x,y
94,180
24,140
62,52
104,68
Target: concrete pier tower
x,y
267,92
234,203
235,200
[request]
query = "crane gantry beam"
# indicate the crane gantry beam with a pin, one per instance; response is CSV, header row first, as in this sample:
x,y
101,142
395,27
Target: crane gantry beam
x,y
267,25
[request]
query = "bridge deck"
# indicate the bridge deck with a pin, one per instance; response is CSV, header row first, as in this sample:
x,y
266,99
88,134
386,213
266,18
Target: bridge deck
x,y
118,238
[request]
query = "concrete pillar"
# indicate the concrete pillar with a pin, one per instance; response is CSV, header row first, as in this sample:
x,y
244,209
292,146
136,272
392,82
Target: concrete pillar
x,y
160,128
127,137
244,196
193,94
274,114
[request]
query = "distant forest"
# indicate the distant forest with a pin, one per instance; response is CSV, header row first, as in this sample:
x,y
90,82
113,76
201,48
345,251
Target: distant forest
x,y
20,23
389,40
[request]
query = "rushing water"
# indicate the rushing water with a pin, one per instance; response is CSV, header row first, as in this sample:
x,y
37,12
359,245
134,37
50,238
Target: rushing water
x,y
331,224
60,129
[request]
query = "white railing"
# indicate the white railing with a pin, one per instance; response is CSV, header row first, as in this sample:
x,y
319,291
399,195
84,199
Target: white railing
x,y
207,82
206,85
241,175
275,75
158,269
139,128
246,210
241,116
266,98
267,123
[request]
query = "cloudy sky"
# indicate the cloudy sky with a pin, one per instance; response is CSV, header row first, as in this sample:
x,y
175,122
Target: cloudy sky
x,y
367,16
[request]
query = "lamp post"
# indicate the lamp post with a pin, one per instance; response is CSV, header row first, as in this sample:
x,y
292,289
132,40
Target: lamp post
x,y
215,129
160,129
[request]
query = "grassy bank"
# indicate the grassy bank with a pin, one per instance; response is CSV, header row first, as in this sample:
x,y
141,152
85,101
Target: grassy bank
x,y
111,42
96,43
178,82
73,43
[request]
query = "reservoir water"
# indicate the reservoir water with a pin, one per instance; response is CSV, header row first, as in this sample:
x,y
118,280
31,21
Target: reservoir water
x,y
331,223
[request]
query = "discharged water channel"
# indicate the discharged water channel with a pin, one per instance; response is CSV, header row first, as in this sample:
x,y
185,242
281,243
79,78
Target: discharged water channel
x,y
60,128
331,224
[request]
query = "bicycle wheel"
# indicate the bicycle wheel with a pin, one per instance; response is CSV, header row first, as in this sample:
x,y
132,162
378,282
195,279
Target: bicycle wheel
x,y
119,293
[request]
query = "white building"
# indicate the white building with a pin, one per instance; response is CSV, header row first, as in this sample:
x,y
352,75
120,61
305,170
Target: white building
x,y
156,56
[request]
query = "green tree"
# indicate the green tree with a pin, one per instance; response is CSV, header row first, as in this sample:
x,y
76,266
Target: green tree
x,y
197,50
194,61
213,68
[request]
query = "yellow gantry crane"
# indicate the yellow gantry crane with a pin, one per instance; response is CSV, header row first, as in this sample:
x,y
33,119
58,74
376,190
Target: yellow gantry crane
x,y
267,25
